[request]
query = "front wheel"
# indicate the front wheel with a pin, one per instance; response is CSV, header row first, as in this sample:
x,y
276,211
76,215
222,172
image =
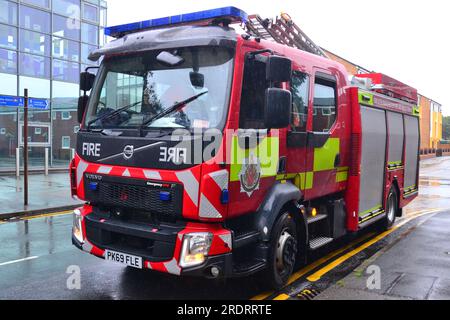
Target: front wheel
x,y
282,251
391,209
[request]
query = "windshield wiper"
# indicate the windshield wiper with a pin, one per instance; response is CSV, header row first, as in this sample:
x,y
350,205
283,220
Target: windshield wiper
x,y
112,114
177,106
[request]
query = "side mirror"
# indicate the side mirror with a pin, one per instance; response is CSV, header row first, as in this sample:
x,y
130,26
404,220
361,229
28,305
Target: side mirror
x,y
86,81
277,108
197,79
82,103
279,69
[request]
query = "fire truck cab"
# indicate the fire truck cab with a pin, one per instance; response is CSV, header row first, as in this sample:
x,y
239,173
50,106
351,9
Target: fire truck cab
x,y
207,152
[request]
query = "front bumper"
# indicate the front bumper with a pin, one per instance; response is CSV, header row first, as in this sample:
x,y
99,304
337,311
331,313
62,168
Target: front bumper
x,y
159,246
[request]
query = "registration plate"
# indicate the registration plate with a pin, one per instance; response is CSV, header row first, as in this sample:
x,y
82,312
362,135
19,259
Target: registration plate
x,y
124,259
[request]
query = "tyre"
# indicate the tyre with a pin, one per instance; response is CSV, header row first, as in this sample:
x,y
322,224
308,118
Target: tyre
x,y
391,209
282,252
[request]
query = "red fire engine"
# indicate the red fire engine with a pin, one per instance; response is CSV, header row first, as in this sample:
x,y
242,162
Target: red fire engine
x,y
207,152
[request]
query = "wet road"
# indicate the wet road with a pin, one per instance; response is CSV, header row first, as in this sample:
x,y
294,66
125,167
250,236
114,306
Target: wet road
x,y
35,255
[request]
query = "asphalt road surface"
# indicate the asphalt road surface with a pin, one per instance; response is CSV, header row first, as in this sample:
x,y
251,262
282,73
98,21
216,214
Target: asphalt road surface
x,y
36,258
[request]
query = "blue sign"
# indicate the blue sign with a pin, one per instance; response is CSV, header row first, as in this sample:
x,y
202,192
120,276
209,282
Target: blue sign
x,y
7,101
18,102
38,103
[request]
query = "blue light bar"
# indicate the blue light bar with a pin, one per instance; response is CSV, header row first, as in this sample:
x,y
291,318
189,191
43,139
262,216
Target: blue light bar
x,y
231,13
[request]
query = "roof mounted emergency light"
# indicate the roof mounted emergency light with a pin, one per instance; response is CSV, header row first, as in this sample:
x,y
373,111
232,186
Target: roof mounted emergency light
x,y
227,14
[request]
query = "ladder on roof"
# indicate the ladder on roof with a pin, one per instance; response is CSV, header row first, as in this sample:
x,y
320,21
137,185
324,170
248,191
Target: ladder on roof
x,y
283,30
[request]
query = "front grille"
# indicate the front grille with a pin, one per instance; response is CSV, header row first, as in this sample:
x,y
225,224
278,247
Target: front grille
x,y
135,194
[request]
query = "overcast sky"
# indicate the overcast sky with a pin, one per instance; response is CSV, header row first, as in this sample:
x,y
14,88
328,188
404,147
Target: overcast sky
x,y
406,39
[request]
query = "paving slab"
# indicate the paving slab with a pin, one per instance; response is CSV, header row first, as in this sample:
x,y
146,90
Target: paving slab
x,y
416,267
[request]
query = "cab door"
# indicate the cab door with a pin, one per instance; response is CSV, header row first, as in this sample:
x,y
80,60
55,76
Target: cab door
x,y
255,150
324,157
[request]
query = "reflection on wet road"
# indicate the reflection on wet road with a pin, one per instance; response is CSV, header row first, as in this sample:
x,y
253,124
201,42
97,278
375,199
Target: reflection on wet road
x,y
35,255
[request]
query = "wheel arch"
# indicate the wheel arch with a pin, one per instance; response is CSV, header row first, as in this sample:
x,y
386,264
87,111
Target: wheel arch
x,y
280,196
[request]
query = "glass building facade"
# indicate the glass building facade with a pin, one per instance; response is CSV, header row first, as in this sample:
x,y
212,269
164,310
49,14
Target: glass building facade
x,y
44,44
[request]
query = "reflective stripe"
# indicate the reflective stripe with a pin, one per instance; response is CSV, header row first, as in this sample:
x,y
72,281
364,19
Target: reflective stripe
x,y
172,267
81,168
190,185
149,174
207,210
325,157
227,239
267,152
341,176
366,98
87,246
220,178
104,170
126,173
374,209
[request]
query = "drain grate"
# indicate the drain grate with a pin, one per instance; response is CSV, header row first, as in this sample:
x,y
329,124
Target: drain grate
x,y
308,294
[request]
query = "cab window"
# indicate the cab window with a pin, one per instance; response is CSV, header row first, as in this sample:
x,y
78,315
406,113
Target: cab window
x,y
253,94
300,98
325,111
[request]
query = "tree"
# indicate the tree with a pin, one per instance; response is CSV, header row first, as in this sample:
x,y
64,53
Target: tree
x,y
446,128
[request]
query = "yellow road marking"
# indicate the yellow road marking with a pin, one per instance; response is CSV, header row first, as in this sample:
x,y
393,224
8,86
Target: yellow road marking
x,y
281,297
262,296
317,275
329,256
62,213
294,277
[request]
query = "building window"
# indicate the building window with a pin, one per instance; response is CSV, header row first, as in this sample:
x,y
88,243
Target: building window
x,y
3,131
89,33
34,19
39,3
86,49
37,131
34,66
300,98
65,115
8,62
65,142
66,29
66,71
324,104
36,88
34,42
65,49
8,37
8,12
67,7
90,12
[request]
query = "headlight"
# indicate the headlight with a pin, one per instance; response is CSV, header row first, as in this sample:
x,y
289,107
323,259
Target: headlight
x,y
77,229
195,248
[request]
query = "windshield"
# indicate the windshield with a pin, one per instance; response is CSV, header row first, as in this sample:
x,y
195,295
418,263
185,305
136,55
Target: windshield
x,y
179,88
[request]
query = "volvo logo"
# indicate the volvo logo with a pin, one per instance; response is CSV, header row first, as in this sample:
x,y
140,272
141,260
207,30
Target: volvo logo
x,y
128,152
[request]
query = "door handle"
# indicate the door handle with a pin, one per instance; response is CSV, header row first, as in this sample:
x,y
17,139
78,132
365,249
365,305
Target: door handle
x,y
337,160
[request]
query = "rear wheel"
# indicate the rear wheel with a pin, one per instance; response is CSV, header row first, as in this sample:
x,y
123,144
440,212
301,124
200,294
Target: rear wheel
x,y
391,209
282,251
